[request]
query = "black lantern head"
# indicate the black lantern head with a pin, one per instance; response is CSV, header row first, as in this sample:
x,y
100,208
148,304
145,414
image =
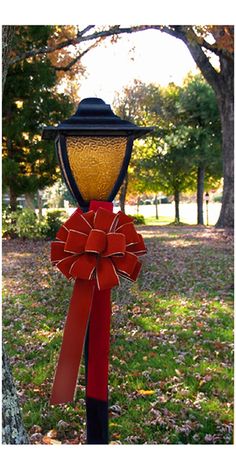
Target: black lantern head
x,y
94,148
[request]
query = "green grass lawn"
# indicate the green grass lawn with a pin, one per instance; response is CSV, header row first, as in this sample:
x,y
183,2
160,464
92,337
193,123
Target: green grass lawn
x,y
162,220
171,358
166,220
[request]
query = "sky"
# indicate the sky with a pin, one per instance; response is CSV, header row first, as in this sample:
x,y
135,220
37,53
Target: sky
x,y
150,56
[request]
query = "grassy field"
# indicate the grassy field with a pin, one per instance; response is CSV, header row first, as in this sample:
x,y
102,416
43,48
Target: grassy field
x,y
171,359
166,212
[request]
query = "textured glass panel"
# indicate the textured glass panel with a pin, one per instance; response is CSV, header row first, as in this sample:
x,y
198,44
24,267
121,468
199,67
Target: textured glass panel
x,y
95,163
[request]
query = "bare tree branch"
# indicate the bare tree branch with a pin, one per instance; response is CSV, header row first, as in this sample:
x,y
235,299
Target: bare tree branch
x,y
195,49
77,58
81,33
180,32
185,33
114,30
202,61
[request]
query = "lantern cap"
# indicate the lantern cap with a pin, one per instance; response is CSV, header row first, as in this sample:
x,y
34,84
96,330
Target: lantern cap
x,y
95,118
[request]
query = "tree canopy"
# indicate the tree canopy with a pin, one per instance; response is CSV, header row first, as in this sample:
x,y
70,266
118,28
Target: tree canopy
x,y
187,135
31,100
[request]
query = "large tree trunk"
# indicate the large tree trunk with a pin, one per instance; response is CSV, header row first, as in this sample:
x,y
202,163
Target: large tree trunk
x,y
13,201
29,201
123,192
200,193
176,198
13,431
226,106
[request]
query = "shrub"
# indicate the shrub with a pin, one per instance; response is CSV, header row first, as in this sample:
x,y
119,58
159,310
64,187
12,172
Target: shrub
x,y
52,223
26,224
217,198
138,219
9,220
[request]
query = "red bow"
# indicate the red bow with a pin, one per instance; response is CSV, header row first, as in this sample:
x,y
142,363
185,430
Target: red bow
x,y
98,245
94,248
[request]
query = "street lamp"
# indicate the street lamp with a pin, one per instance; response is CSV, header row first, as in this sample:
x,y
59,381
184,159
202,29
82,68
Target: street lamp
x,y
94,148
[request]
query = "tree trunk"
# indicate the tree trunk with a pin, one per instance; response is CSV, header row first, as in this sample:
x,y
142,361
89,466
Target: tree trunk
x,y
13,431
13,201
226,106
40,205
200,193
29,201
176,198
156,205
123,192
7,37
138,203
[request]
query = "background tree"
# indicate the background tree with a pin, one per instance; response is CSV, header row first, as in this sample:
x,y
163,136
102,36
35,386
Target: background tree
x,y
134,104
185,118
30,100
165,165
203,43
200,112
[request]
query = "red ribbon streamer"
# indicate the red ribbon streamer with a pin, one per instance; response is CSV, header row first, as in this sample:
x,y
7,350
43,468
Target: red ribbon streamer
x,y
99,335
72,343
94,248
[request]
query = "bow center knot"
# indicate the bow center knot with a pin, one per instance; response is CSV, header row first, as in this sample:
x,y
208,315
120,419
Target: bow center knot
x,y
96,242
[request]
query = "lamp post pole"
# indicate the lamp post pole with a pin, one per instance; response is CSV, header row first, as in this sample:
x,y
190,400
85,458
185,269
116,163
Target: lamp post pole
x,y
207,203
94,148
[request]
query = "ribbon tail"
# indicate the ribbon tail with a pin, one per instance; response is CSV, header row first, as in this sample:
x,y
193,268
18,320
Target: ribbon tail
x,y
65,380
99,343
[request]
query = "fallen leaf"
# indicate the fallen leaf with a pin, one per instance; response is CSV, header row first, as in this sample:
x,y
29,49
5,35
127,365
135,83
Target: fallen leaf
x,y
52,434
146,392
116,436
177,372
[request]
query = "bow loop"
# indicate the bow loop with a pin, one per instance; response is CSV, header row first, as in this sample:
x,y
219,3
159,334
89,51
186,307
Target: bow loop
x,y
58,251
83,267
116,245
105,220
139,247
106,274
126,265
75,241
130,233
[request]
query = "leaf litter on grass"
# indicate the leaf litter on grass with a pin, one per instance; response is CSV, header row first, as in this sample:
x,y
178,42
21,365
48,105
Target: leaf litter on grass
x,y
171,357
